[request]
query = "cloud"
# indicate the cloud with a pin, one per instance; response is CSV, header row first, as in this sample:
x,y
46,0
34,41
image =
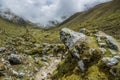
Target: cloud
x,y
43,11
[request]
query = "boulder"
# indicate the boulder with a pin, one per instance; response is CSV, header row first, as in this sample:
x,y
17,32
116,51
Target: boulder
x,y
81,65
111,61
14,59
112,43
70,38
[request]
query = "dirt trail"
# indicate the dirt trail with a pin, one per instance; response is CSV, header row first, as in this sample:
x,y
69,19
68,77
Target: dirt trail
x,y
46,71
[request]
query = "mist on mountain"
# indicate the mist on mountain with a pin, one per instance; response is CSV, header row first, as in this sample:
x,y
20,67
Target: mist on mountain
x,y
44,11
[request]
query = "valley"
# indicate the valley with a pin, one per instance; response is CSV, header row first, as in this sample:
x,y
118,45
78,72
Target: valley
x,y
86,46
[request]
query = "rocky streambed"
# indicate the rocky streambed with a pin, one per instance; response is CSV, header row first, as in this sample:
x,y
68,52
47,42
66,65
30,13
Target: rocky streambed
x,y
46,71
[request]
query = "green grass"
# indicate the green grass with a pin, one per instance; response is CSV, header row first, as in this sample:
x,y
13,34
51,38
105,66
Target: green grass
x,y
105,17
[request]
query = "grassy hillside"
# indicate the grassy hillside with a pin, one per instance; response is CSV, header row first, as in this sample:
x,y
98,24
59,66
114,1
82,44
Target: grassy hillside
x,y
105,17
10,30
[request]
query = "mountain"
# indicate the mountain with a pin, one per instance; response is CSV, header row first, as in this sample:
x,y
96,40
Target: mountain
x,y
84,50
11,17
104,17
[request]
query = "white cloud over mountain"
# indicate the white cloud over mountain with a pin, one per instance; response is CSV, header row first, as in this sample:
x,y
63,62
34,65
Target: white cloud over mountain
x,y
42,11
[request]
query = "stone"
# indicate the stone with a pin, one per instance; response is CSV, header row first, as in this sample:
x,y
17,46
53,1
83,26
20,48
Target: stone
x,y
112,51
70,38
36,59
102,44
45,50
21,74
115,70
2,49
44,58
2,67
14,59
8,79
91,50
83,30
98,39
112,43
75,53
103,50
81,65
111,61
14,73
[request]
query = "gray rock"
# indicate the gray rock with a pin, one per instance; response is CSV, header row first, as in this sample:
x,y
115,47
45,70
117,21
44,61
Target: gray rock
x,y
2,49
112,72
21,74
70,38
8,79
102,44
44,58
111,61
75,53
36,59
91,50
30,73
83,30
112,43
14,59
81,65
98,39
45,50
14,73
103,50
112,51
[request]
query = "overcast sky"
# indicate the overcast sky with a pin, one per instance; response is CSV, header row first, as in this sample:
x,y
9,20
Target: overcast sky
x,y
42,11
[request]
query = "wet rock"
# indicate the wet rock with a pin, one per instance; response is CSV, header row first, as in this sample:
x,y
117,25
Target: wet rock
x,y
111,61
14,59
81,65
70,38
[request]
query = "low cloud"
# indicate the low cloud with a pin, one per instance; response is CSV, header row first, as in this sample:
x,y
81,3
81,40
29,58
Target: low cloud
x,y
43,11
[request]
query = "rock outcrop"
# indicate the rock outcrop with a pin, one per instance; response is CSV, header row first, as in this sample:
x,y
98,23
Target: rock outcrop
x,y
70,38
89,53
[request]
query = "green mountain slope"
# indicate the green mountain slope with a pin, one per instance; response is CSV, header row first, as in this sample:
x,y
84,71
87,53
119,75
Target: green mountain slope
x,y
105,17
